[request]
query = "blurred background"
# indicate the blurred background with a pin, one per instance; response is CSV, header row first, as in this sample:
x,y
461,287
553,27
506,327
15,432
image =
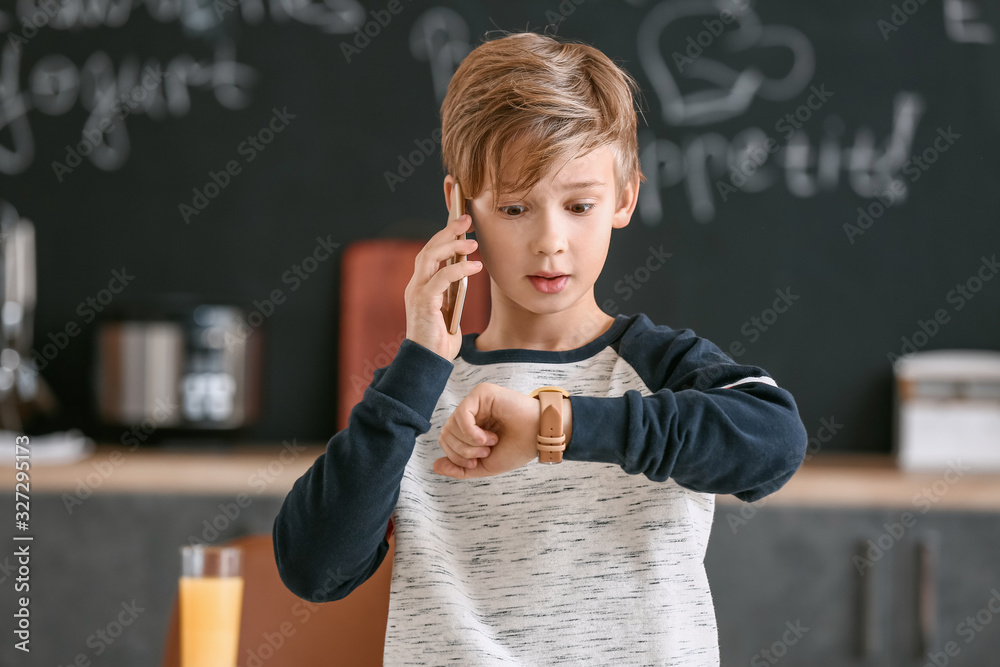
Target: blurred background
x,y
180,181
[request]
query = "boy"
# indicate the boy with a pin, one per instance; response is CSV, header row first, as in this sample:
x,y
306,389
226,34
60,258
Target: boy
x,y
501,559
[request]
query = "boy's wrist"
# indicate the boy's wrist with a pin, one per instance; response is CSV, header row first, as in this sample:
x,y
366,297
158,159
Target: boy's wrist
x,y
416,377
568,420
555,422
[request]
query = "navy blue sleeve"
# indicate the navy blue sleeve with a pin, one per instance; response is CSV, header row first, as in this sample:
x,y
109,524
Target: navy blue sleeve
x,y
709,425
330,533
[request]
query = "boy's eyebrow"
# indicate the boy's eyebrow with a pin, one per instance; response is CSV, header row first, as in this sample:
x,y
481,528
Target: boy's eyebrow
x,y
579,185
505,190
583,185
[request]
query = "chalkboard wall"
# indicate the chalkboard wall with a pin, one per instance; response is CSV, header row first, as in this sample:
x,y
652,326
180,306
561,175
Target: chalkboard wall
x,y
823,176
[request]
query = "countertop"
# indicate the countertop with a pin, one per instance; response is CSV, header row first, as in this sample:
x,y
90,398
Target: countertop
x,y
827,479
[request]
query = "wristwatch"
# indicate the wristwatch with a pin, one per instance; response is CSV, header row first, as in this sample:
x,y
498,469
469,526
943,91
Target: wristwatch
x,y
551,439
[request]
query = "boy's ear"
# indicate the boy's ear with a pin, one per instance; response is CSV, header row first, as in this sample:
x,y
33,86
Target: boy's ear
x,y
449,182
626,204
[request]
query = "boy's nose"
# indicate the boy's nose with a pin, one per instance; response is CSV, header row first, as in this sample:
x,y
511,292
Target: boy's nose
x,y
550,234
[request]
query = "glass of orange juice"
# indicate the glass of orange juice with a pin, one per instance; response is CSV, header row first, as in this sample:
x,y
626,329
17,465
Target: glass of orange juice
x,y
211,598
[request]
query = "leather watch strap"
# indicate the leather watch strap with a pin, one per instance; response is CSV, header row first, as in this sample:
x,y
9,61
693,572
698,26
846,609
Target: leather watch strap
x,y
551,438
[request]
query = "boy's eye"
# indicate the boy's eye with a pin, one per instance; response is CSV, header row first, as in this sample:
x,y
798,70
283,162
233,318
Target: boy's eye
x,y
515,210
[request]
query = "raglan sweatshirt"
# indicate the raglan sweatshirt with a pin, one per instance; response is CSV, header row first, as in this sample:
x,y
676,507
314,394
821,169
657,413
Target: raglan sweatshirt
x,y
597,560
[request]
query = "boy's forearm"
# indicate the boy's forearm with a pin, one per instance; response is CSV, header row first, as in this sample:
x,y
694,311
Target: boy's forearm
x,y
745,440
329,535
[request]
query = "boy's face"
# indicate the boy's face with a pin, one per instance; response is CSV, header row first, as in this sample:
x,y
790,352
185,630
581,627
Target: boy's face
x,y
545,249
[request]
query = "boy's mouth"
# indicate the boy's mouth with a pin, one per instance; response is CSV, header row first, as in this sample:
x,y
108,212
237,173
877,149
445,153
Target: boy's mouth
x,y
548,283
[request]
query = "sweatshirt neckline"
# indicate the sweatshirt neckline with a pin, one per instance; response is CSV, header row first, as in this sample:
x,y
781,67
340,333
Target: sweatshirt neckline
x,y
471,354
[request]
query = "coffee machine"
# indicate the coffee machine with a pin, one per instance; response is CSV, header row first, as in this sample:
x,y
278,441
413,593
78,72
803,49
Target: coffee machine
x,y
24,394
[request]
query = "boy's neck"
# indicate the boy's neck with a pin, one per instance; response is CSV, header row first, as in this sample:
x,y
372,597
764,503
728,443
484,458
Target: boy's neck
x,y
566,330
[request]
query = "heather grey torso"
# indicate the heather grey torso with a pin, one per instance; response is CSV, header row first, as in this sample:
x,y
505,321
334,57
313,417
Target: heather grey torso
x,y
576,563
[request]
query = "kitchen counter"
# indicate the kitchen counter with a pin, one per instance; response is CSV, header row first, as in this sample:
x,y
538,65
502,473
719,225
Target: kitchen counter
x,y
828,479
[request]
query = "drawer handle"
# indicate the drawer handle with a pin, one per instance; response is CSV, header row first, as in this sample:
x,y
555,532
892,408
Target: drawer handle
x,y
927,554
871,644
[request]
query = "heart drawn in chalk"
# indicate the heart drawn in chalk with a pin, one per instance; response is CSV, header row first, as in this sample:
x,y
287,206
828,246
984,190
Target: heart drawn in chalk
x,y
729,90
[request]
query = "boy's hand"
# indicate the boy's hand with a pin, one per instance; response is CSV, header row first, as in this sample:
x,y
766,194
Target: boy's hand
x,y
424,294
493,430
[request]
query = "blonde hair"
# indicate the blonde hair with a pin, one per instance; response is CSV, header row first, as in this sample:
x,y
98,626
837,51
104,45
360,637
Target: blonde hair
x,y
564,98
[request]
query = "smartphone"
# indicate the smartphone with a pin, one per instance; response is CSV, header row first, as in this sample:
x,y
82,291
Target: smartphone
x,y
454,296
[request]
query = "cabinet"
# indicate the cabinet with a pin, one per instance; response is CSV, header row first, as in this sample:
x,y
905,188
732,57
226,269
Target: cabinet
x,y
846,586
104,578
